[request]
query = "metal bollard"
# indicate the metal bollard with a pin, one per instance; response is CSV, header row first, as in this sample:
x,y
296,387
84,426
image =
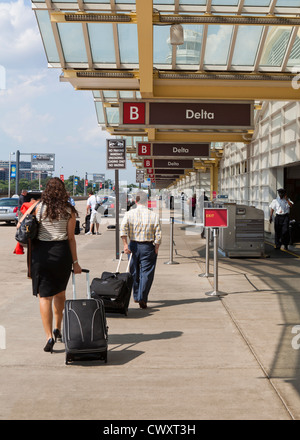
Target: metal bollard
x,y
206,274
216,292
171,242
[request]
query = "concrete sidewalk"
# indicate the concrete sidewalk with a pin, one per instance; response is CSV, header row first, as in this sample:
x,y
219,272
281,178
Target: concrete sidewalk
x,y
188,356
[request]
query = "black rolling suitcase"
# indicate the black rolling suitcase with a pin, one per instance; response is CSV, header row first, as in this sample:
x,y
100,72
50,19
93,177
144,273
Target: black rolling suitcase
x,y
114,288
86,225
85,332
77,227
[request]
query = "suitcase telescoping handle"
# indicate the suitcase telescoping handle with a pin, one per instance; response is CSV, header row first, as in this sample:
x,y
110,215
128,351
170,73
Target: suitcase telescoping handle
x,y
120,259
88,291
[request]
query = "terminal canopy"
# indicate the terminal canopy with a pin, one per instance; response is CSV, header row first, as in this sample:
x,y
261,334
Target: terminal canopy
x,y
170,50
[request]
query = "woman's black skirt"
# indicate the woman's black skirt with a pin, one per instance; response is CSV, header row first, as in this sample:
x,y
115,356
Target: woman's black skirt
x,y
51,265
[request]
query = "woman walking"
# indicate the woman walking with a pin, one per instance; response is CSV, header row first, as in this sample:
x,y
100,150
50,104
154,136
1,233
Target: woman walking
x,y
53,254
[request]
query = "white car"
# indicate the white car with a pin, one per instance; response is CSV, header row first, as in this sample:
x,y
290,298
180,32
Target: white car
x,y
9,210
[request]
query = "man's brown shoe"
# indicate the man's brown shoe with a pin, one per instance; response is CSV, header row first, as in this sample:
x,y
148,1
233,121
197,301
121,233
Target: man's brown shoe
x,y
142,304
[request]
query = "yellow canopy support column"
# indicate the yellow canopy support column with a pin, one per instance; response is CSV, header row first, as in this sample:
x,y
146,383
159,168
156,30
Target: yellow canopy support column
x,y
144,13
214,177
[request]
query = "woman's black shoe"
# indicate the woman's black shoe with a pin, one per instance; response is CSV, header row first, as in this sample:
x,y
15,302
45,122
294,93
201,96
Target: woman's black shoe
x,y
49,346
57,335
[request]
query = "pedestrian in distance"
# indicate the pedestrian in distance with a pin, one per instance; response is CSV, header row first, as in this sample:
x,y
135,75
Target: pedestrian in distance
x,y
142,227
23,198
281,207
192,206
53,255
92,211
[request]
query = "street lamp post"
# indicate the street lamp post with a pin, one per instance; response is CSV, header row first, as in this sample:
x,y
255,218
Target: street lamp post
x,y
9,172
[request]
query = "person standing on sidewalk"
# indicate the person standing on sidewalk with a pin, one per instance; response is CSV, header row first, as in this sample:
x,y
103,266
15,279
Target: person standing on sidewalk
x,y
91,209
142,227
281,206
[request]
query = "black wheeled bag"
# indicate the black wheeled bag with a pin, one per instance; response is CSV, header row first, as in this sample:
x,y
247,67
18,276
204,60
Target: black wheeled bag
x,y
114,288
85,332
86,225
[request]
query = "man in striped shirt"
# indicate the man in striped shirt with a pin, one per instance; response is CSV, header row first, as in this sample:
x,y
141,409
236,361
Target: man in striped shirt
x,y
142,227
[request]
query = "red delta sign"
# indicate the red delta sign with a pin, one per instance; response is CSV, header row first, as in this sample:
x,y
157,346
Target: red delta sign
x,y
148,163
144,149
215,218
134,113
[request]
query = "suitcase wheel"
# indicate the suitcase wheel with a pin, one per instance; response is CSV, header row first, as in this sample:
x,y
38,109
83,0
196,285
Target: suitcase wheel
x,y
103,356
69,358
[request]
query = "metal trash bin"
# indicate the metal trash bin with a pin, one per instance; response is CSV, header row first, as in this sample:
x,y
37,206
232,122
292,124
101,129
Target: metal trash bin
x,y
244,236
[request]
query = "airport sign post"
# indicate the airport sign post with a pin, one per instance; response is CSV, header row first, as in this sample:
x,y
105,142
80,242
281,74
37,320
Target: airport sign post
x,y
216,218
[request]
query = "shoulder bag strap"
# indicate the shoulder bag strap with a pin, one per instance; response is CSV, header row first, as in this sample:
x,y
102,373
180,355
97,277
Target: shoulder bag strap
x,y
29,210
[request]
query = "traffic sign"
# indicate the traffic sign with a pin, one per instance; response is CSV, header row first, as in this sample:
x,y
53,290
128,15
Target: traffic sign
x,y
42,162
140,176
116,154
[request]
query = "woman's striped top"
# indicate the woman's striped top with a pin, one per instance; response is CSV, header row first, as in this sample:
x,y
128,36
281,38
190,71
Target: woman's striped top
x,y
51,230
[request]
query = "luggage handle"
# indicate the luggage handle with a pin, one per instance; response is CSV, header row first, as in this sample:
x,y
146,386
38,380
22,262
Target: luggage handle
x,y
88,290
120,259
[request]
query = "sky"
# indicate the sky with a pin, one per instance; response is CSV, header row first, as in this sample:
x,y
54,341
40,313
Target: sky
x,y
39,114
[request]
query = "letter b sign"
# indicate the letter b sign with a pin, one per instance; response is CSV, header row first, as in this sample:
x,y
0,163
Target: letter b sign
x,y
144,149
133,113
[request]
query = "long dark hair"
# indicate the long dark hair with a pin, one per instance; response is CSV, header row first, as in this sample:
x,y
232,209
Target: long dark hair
x,y
56,200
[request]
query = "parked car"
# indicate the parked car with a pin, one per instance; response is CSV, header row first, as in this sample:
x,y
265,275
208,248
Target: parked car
x,y
34,194
108,206
9,210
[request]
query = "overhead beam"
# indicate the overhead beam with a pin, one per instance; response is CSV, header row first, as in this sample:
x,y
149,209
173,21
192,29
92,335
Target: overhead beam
x,y
186,137
256,86
156,18
260,89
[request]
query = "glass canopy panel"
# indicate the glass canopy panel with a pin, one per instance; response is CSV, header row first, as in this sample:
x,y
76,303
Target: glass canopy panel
x,y
162,49
71,37
217,46
288,3
96,1
246,45
163,2
102,42
112,114
189,51
225,2
99,111
275,46
44,23
128,43
294,58
193,2
126,95
123,1
96,94
257,3
110,95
